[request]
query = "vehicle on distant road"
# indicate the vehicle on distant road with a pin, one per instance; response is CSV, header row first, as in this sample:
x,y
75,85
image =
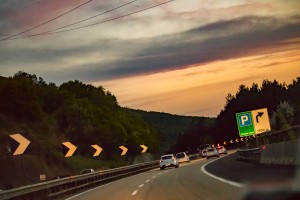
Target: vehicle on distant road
x,y
86,171
182,157
168,161
203,152
212,152
222,150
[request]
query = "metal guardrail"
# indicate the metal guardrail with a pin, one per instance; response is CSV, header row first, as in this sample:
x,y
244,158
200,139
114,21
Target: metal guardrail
x,y
60,188
249,155
267,142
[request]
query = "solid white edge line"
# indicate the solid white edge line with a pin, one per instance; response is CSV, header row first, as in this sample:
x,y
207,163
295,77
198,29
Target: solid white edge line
x,y
134,192
219,178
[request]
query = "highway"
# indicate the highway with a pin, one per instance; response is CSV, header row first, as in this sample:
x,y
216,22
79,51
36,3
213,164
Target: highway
x,y
189,181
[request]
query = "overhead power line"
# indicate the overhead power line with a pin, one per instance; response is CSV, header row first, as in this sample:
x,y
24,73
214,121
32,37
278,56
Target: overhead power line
x,y
80,21
83,20
101,22
47,21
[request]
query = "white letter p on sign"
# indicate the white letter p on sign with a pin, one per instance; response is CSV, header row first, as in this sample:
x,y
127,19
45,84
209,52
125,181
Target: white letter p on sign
x,y
244,118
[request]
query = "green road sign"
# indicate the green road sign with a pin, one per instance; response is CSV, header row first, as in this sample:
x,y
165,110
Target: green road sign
x,y
245,124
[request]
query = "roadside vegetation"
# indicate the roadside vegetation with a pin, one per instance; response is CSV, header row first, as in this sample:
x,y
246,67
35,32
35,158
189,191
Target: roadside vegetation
x,y
47,115
82,114
281,100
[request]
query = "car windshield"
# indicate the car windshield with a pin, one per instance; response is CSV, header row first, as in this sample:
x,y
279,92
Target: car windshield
x,y
181,155
210,149
166,157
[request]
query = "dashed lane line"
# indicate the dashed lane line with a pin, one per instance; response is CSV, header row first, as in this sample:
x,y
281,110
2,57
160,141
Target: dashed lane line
x,y
134,192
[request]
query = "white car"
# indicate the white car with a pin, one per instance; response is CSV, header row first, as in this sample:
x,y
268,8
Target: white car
x,y
203,153
168,161
86,171
222,150
212,152
182,157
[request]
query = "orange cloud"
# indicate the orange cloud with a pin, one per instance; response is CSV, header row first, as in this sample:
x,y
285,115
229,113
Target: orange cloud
x,y
201,90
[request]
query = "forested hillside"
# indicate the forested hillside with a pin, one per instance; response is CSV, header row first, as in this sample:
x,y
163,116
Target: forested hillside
x,y
281,100
48,115
171,127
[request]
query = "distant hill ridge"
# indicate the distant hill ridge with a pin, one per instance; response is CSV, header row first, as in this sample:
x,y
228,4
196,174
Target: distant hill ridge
x,y
170,127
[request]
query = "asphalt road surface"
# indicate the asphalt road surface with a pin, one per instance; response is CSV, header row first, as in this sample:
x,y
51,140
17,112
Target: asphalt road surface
x,y
190,181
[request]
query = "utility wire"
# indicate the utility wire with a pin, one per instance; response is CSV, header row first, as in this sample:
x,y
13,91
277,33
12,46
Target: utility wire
x,y
90,17
80,21
101,22
46,21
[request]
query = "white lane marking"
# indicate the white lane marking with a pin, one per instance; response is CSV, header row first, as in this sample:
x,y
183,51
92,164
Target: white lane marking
x,y
141,185
160,173
134,192
147,180
72,197
219,178
153,176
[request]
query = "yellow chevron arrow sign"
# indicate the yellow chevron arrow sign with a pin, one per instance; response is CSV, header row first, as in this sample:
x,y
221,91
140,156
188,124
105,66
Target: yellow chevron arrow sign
x,y
72,148
224,143
23,143
144,148
98,150
242,139
231,141
236,140
124,150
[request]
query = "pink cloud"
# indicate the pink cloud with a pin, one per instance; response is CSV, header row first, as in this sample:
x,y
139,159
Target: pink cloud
x,y
32,14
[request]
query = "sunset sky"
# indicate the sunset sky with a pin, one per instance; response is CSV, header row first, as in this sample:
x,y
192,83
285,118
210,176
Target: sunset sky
x,y
181,57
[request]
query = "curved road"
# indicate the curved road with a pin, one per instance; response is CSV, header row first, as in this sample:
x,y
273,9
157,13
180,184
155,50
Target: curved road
x,y
188,182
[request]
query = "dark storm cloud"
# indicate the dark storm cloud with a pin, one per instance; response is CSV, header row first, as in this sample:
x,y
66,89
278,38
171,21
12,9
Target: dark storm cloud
x,y
9,11
120,58
52,54
247,36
